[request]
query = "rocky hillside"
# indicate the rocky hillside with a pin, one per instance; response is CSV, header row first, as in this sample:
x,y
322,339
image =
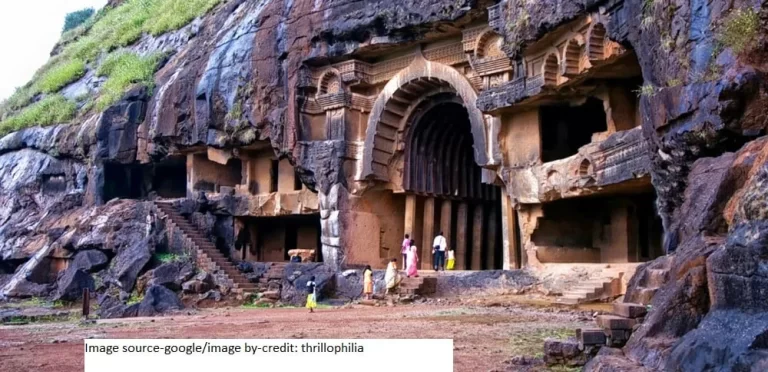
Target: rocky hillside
x,y
147,77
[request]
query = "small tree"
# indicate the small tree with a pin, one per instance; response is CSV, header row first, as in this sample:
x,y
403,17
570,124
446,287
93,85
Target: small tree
x,y
77,18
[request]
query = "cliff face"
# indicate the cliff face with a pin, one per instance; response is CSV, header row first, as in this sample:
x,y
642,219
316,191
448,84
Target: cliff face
x,y
236,76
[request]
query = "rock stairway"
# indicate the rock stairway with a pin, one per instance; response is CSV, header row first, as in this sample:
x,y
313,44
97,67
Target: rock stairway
x,y
421,285
205,253
270,284
606,285
650,280
612,330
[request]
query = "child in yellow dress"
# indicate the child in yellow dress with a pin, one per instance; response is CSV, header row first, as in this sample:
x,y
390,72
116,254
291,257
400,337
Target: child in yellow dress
x,y
311,298
451,260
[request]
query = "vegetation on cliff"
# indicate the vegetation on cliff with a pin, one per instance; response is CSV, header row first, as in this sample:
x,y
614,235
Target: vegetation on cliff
x,y
77,18
97,44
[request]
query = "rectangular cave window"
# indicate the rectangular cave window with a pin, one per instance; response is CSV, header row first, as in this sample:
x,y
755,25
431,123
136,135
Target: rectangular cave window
x,y
275,236
126,181
170,178
296,181
564,129
273,171
234,173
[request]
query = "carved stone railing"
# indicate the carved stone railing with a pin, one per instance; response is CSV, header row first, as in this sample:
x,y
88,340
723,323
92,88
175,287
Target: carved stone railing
x,y
621,157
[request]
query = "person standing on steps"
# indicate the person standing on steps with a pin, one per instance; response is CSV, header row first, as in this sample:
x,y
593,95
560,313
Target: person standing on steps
x,y
451,260
438,251
312,296
413,260
392,277
404,249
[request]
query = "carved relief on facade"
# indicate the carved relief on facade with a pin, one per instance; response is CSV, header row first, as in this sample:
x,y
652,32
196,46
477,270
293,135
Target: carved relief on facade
x,y
567,55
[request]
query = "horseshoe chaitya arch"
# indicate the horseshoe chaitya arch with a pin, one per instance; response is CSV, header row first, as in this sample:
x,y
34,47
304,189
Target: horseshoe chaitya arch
x,y
394,104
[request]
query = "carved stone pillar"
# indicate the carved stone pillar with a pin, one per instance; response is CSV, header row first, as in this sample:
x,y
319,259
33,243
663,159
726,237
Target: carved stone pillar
x,y
462,216
410,215
508,227
445,222
490,257
428,233
477,238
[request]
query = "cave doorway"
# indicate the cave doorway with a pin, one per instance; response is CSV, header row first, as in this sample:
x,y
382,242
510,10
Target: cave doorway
x,y
600,229
269,239
166,178
564,128
444,187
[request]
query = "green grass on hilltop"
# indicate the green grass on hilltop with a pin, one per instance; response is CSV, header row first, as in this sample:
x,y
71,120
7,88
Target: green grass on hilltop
x,y
90,44
123,70
61,75
53,109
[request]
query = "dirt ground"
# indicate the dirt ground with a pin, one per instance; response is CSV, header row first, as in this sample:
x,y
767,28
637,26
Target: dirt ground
x,y
486,334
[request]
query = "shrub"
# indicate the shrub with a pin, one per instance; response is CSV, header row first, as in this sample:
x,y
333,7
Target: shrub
x,y
77,18
60,75
53,109
739,29
646,90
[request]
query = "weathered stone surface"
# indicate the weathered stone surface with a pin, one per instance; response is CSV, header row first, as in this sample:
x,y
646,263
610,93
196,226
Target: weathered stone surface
x,y
158,300
566,352
488,280
201,283
294,288
89,261
71,284
171,275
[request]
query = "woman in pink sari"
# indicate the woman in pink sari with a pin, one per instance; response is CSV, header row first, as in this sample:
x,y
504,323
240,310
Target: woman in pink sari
x,y
413,260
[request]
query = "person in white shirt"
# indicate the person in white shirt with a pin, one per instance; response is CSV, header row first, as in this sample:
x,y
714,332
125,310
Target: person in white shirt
x,y
438,251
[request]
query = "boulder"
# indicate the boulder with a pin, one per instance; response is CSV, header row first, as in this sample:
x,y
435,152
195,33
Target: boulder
x,y
70,286
25,289
258,269
158,300
129,262
90,261
111,307
566,352
294,286
201,283
245,267
172,274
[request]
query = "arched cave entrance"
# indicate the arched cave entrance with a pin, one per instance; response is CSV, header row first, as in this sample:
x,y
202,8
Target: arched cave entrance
x,y
444,188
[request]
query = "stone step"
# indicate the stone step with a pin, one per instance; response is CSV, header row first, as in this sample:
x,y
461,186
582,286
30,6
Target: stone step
x,y
614,322
570,300
629,310
590,337
275,295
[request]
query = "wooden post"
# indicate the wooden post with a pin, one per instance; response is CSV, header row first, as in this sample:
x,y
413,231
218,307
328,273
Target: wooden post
x,y
86,303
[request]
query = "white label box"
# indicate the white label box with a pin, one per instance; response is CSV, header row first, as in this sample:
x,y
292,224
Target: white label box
x,y
284,355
